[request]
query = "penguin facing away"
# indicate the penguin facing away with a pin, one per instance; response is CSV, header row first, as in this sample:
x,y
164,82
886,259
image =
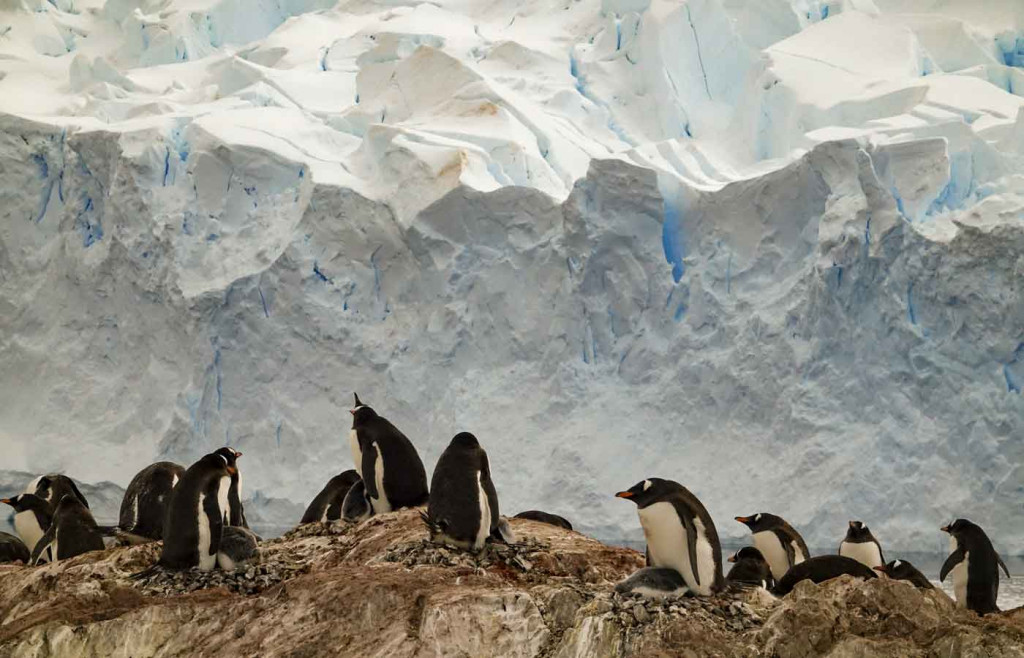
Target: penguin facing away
x,y
328,503
32,518
779,543
750,569
12,549
544,517
903,570
196,514
822,568
654,583
54,486
72,532
235,515
974,565
862,546
388,463
356,507
144,505
679,532
463,505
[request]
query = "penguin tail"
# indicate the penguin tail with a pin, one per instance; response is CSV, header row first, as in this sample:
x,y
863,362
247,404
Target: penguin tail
x,y
434,527
145,573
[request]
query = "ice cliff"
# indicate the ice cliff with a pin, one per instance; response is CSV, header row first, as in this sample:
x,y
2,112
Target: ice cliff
x,y
772,249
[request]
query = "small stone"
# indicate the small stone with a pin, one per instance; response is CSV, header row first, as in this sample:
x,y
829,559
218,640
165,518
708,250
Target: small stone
x,y
640,614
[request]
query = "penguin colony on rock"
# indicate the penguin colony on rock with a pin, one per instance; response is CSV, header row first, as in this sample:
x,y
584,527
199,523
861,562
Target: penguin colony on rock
x,y
198,514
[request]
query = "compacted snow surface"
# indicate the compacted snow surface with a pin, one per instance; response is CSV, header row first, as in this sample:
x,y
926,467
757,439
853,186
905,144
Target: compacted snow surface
x,y
771,249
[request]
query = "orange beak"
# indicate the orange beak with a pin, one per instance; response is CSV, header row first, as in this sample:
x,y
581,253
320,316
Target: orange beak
x,y
944,528
881,568
237,454
5,500
851,524
743,519
732,558
624,494
352,411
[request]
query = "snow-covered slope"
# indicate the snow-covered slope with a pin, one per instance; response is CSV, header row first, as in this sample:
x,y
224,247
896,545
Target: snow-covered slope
x,y
772,249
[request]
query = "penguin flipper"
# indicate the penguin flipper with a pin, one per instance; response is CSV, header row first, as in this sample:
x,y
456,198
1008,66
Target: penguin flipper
x,y
368,468
211,506
691,538
78,494
492,494
955,558
43,544
1003,565
881,555
647,556
787,543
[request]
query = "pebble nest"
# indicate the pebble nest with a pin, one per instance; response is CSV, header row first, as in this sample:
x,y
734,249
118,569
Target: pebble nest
x,y
424,552
725,609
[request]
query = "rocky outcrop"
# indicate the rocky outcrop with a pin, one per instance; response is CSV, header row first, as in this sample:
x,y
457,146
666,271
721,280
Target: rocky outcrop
x,y
378,589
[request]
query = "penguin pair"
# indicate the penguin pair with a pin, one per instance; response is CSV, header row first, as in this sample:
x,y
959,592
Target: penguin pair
x,y
391,470
72,531
462,510
778,541
680,536
974,565
328,505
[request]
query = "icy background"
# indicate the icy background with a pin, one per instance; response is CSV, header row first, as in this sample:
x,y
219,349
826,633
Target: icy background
x,y
772,249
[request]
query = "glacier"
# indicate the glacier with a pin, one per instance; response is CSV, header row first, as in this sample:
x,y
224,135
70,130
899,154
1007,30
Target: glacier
x,y
771,249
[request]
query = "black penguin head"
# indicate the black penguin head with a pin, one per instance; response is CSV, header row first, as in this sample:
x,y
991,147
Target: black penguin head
x,y
958,528
648,492
747,553
24,502
464,440
898,570
361,413
347,478
858,532
230,455
223,458
760,522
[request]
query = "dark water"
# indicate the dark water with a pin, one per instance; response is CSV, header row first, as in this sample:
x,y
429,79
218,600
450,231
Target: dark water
x,y
1011,591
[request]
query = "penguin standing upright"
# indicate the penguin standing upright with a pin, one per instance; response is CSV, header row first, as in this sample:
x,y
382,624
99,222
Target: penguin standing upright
x,y
235,515
862,546
750,569
388,463
463,508
779,543
328,503
822,568
903,570
54,486
195,514
974,564
12,549
679,532
72,532
144,505
32,518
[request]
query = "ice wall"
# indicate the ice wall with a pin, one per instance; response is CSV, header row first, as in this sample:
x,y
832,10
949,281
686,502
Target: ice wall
x,y
771,250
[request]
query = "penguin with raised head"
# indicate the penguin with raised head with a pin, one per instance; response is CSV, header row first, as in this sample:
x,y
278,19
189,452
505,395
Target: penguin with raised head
x,y
679,532
54,486
750,569
974,564
822,568
388,463
463,506
196,514
328,503
862,546
779,543
144,505
356,506
72,532
12,549
236,512
238,545
32,518
653,583
544,517
903,570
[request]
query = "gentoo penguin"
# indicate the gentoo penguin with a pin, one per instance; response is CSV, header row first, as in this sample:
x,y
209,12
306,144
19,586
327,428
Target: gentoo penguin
x,y
195,514
679,532
750,569
144,505
235,516
327,504
819,569
544,517
237,546
12,549
779,543
54,486
463,507
356,507
391,469
903,570
654,583
862,546
974,564
32,518
72,532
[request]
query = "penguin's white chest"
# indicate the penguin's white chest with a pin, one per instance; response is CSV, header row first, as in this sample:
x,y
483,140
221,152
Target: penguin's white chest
x,y
667,542
866,553
222,499
206,561
381,504
357,454
485,515
959,574
27,527
773,551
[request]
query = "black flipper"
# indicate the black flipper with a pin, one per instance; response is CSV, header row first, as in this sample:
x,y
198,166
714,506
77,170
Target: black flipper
x,y
43,544
368,469
492,494
787,543
955,558
78,494
211,506
1003,565
881,555
647,555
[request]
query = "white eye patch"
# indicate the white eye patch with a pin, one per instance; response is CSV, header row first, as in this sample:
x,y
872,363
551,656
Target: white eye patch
x,y
757,517
224,458
896,564
647,485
